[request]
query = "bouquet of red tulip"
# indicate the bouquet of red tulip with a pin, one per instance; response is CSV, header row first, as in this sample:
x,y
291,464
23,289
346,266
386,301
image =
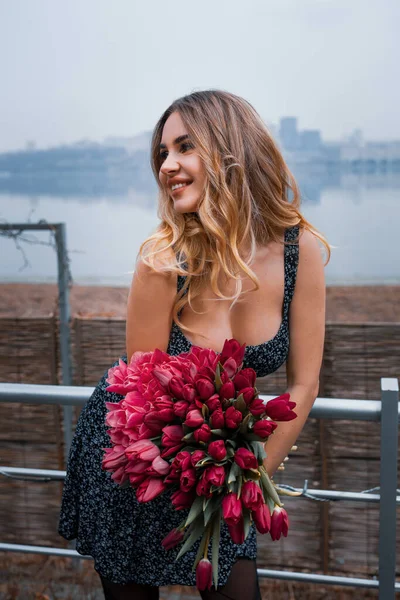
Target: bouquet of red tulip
x,y
195,422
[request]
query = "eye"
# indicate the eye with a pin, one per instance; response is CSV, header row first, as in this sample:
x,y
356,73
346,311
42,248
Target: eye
x,y
183,148
186,146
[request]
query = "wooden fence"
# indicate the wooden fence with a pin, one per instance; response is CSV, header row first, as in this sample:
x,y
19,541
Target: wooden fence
x,y
336,537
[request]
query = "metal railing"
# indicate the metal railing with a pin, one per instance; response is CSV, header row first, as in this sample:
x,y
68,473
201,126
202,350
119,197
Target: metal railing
x,y
386,410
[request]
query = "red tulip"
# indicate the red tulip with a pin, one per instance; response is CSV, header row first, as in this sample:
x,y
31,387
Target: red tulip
x,y
231,509
280,408
120,475
197,455
172,439
247,393
116,417
262,518
204,574
149,489
205,388
233,417
156,419
138,466
217,419
181,500
202,434
176,388
136,478
213,403
182,460
245,459
252,496
233,349
237,531
188,480
162,402
244,379
136,414
214,475
227,390
114,458
231,367
181,408
142,450
264,428
217,450
203,487
118,379
189,393
257,407
120,438
279,523
163,374
194,418
172,539
158,467
173,476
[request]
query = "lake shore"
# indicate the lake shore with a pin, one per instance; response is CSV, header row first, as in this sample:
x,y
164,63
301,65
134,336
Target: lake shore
x,y
354,304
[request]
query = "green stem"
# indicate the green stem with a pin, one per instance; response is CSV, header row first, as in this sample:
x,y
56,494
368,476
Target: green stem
x,y
207,541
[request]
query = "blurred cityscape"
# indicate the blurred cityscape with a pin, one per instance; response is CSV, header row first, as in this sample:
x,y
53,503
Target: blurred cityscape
x,y
119,164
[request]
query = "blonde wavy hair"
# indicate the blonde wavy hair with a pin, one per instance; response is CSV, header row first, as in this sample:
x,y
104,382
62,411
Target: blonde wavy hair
x,y
245,201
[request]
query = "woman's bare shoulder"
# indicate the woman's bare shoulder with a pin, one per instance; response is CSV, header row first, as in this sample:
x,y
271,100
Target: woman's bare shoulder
x,y
149,309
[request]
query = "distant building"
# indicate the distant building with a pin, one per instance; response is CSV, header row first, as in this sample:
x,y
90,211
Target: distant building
x,y
288,134
310,140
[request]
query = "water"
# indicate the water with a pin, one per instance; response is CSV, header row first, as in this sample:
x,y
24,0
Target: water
x,y
359,215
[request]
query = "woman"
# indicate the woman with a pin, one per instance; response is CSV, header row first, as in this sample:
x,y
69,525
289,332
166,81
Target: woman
x,y
226,222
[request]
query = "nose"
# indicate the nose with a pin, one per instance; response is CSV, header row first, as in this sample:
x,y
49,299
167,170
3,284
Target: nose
x,y
169,165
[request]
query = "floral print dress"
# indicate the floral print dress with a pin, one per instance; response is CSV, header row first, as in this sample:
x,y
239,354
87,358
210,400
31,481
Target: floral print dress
x,y
122,535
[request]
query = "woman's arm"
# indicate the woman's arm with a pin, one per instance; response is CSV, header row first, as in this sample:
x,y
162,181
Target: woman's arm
x,y
307,333
149,310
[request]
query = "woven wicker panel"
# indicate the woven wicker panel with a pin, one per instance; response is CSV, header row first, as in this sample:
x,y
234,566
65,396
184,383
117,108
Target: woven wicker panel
x,y
331,454
356,356
354,526
301,548
30,435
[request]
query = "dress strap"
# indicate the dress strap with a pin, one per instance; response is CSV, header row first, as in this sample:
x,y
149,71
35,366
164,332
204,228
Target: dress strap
x,y
291,260
291,253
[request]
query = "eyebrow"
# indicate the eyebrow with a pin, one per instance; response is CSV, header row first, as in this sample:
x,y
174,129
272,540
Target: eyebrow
x,y
178,140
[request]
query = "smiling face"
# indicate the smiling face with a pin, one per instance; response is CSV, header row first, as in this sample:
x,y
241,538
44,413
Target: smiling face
x,y
181,166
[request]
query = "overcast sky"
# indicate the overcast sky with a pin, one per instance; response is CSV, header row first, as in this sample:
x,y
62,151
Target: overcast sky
x,y
80,69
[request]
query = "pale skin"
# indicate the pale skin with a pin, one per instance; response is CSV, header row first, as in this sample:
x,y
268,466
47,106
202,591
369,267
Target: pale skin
x,y
254,319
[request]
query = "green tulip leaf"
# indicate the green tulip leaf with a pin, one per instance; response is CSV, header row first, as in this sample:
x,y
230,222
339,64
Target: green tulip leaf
x,y
216,534
205,411
219,432
218,380
270,488
253,474
240,404
258,450
200,551
234,471
212,505
197,529
240,483
195,510
246,521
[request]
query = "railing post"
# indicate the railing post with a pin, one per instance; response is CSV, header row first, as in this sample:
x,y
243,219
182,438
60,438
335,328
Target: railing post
x,y
65,329
388,487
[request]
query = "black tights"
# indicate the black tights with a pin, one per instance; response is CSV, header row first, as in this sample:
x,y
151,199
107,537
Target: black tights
x,y
242,584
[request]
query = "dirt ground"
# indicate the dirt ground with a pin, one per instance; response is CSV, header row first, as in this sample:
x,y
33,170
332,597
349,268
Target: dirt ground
x,y
343,303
